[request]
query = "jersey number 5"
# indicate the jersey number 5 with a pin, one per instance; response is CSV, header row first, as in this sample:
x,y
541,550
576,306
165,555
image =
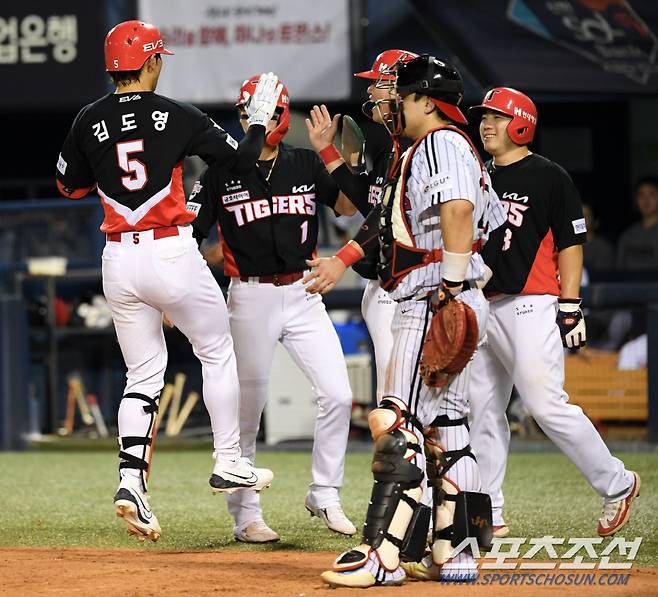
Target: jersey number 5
x,y
137,170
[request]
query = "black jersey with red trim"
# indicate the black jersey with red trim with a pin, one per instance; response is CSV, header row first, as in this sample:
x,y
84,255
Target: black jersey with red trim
x,y
544,216
267,219
365,188
131,146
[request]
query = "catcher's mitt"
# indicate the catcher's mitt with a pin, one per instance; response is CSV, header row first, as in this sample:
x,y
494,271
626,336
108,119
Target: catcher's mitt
x,y
450,343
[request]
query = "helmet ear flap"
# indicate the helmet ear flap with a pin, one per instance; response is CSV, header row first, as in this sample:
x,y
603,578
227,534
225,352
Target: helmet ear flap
x,y
275,137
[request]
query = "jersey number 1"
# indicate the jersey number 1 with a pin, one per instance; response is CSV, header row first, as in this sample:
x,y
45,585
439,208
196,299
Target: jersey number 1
x,y
137,170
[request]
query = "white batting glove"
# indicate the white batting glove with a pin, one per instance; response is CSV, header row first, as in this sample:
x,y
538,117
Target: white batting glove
x,y
261,105
571,322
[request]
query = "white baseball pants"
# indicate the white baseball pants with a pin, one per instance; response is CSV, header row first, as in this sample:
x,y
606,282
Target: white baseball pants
x,y
143,277
378,310
262,315
524,349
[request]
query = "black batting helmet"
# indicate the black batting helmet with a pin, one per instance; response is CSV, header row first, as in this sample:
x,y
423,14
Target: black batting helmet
x,y
435,78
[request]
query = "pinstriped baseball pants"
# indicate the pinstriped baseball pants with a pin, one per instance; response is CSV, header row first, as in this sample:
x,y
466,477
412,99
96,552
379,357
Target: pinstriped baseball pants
x,y
410,325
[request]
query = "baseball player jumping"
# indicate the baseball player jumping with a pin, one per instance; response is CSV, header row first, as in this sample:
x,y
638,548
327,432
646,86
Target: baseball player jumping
x,y
364,191
130,145
435,213
268,226
534,313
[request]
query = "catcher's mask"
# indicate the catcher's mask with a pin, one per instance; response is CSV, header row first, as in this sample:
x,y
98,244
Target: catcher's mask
x,y
281,113
383,74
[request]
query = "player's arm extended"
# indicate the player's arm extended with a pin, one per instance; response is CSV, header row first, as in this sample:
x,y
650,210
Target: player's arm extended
x,y
326,272
249,149
344,206
322,130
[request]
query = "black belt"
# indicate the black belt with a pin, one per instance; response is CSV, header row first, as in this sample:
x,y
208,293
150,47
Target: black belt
x,y
276,279
465,286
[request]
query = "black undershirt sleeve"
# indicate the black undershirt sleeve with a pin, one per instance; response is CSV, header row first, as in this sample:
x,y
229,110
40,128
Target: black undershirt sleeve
x,y
249,149
354,186
368,234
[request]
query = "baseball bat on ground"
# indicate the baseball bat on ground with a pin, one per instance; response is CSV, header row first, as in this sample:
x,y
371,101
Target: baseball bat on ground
x,y
165,398
179,384
81,399
69,419
98,415
185,411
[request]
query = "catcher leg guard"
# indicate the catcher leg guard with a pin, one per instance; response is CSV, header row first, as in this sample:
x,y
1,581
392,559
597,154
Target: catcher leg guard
x,y
395,498
458,515
131,501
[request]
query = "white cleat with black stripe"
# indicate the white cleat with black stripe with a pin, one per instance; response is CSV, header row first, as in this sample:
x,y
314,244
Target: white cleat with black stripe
x,y
238,474
132,505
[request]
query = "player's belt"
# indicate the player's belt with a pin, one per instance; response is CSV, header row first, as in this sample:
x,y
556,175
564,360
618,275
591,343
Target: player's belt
x,y
466,285
276,279
158,233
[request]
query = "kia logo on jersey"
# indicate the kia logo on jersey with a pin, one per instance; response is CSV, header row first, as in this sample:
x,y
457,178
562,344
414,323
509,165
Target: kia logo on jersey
x,y
515,197
303,188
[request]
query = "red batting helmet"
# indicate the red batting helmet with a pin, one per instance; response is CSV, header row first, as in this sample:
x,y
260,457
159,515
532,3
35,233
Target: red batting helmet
x,y
129,44
383,64
508,101
283,102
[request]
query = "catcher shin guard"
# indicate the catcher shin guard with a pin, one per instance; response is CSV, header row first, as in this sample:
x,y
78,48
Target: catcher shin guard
x,y
396,491
458,515
136,447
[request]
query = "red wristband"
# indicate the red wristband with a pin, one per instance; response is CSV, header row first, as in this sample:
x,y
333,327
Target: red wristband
x,y
330,154
349,254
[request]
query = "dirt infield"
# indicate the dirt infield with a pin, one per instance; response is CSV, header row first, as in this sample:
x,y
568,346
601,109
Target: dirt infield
x,y
132,573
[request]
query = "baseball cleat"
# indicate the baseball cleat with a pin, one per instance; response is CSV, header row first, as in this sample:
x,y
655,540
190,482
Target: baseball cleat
x,y
426,569
368,574
616,514
133,506
256,532
333,516
461,568
230,476
500,530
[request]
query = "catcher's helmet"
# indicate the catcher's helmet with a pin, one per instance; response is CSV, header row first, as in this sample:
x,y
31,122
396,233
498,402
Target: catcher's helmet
x,y
435,78
282,103
508,101
382,67
129,44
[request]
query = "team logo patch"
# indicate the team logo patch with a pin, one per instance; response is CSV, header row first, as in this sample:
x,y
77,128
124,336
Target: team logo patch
x,y
374,193
193,207
235,197
231,141
579,226
438,182
196,189
61,164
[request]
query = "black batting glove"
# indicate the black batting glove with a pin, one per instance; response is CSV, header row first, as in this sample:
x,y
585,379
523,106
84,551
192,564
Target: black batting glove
x,y
571,322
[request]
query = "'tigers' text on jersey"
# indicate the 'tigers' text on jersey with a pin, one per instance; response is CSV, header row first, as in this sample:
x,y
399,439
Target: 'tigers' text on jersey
x,y
258,209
